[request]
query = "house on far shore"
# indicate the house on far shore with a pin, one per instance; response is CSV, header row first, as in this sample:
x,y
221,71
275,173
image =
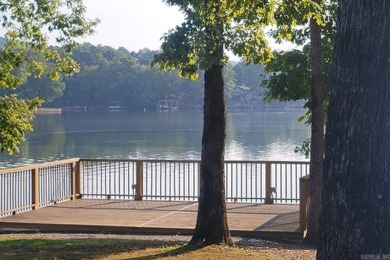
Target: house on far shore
x,y
168,105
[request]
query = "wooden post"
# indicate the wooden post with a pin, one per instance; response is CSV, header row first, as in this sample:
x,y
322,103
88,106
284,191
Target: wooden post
x,y
268,181
304,202
139,181
35,188
75,180
78,179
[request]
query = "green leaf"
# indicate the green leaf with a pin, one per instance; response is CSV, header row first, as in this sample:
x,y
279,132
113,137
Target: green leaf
x,y
27,52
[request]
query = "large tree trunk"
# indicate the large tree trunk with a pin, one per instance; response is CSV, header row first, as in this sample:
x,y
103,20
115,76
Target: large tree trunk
x,y
211,226
317,134
356,205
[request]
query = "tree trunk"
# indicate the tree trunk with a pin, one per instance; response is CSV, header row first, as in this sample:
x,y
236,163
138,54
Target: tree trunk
x,y
317,134
356,204
211,226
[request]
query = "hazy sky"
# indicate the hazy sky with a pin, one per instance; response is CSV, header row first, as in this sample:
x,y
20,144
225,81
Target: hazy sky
x,y
136,24
133,24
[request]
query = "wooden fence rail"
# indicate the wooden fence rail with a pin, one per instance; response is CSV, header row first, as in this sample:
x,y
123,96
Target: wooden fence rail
x,y
39,185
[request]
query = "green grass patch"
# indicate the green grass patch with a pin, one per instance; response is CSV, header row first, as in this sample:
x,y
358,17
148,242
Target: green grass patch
x,y
69,248
212,252
17,247
34,243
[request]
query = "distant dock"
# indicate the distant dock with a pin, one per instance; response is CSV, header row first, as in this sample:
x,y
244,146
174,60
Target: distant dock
x,y
48,111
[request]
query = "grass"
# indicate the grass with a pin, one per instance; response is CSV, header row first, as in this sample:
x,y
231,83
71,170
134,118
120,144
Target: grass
x,y
19,248
188,252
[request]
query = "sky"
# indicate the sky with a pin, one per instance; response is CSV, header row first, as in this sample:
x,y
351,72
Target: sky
x,y
137,24
133,24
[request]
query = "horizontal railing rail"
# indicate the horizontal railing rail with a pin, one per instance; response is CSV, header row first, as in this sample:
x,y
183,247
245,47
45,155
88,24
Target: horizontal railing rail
x,y
30,187
34,186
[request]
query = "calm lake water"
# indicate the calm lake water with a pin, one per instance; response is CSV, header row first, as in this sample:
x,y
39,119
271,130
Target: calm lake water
x,y
152,135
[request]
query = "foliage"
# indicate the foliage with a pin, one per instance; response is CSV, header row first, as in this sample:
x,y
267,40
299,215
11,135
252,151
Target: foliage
x,y
144,56
44,88
304,149
15,119
110,75
118,76
287,76
26,48
187,48
26,52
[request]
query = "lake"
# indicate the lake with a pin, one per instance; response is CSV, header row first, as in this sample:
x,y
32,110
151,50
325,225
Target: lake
x,y
153,135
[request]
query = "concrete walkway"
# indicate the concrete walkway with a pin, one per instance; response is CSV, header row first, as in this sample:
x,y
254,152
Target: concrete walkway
x,y
154,217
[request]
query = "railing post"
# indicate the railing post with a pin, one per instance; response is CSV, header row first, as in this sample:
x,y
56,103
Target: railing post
x,y
304,202
75,180
35,188
139,181
268,181
78,179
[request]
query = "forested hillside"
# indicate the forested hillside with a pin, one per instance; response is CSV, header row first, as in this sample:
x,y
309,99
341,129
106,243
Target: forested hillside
x,y
118,77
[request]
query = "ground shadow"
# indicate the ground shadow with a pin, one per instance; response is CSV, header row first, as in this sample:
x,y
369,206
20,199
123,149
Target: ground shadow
x,y
282,222
174,252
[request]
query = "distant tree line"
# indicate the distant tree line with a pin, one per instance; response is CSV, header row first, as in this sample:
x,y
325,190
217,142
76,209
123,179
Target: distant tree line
x,y
119,77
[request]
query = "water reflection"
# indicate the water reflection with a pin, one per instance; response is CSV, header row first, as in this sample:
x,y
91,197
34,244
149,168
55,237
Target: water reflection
x,y
259,136
265,136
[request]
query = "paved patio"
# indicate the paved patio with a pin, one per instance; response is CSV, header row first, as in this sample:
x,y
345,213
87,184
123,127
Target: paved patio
x,y
154,217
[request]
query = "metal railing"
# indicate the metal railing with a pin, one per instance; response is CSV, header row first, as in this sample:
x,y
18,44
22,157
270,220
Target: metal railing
x,y
285,180
245,181
136,179
34,186
31,187
112,179
172,180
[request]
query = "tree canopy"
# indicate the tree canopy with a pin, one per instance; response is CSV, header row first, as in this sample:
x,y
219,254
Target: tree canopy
x,y
187,48
26,51
109,75
287,75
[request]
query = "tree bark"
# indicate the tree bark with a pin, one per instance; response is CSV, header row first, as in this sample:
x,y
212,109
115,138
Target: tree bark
x,y
211,226
356,204
317,134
